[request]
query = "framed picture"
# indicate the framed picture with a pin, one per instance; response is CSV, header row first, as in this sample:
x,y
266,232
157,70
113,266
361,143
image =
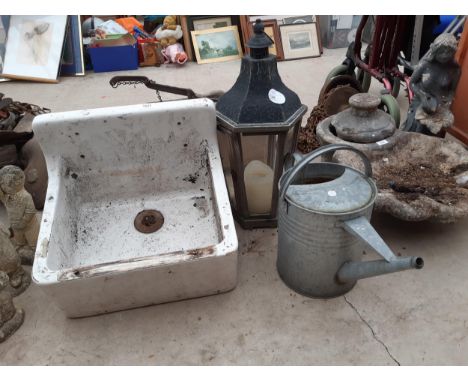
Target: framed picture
x,y
217,44
299,19
183,21
34,47
73,59
272,30
300,40
211,23
203,22
279,18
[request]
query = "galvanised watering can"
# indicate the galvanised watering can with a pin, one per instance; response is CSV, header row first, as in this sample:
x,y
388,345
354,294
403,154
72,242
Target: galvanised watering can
x,y
323,224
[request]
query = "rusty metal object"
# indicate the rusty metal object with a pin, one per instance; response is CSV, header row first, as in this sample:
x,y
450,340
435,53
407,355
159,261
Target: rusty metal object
x,y
337,99
134,80
334,101
19,108
23,107
339,81
19,148
148,221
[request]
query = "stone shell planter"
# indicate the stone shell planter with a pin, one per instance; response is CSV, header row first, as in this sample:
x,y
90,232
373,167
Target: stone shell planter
x,y
446,156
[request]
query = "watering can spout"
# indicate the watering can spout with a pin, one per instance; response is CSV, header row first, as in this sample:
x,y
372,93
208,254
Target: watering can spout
x,y
355,270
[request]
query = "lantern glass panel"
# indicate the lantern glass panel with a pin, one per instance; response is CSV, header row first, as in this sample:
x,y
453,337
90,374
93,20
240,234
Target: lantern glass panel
x,y
259,156
291,139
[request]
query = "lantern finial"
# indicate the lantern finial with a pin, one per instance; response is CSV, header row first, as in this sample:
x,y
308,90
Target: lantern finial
x,y
260,41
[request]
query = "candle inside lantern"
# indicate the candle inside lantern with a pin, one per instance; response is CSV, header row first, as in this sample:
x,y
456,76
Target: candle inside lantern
x,y
258,179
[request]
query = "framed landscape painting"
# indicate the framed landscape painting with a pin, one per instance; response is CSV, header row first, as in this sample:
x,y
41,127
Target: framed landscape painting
x,y
34,47
218,44
300,40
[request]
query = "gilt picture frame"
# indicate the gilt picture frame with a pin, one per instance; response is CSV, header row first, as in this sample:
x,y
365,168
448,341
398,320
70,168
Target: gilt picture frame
x,y
217,44
34,47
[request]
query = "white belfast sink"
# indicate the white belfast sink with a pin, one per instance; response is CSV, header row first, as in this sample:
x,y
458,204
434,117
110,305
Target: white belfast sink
x,y
107,165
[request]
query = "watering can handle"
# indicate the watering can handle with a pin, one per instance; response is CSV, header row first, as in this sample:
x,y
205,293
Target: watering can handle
x,y
317,153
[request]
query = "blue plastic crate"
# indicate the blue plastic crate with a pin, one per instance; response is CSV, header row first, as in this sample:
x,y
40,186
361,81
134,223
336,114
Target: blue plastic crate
x,y
112,58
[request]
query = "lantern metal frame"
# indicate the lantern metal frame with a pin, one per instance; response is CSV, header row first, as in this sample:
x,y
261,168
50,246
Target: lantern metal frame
x,y
248,110
277,152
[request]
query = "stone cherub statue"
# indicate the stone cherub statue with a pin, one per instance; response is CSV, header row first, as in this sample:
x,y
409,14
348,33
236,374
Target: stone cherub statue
x,y
434,82
21,211
10,263
10,317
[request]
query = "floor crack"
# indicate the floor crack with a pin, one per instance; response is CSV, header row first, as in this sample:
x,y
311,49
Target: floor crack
x,y
372,331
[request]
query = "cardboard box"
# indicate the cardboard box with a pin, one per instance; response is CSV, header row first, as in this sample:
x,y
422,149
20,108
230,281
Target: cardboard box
x,y
115,52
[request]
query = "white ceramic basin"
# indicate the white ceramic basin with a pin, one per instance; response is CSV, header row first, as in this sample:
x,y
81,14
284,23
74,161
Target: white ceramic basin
x,y
105,166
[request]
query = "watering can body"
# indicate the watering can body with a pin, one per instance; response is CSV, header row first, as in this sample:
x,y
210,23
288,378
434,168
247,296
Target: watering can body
x,y
323,224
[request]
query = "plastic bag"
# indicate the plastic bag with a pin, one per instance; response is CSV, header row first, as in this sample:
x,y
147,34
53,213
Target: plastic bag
x,y
111,27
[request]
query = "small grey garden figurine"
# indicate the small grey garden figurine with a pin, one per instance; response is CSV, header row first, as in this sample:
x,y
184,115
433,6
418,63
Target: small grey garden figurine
x,y
21,211
10,263
434,82
10,317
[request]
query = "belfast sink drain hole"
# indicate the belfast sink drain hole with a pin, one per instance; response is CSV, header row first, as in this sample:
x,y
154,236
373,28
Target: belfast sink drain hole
x,y
148,221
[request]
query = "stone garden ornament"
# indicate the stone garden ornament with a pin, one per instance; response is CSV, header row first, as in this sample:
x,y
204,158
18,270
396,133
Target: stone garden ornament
x,y
434,82
21,211
10,317
10,263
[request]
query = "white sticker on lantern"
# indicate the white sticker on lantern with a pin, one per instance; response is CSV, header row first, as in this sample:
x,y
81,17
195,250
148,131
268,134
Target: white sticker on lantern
x,y
332,193
276,97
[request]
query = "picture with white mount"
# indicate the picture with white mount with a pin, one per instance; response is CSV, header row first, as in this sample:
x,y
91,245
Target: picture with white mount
x,y
300,40
34,47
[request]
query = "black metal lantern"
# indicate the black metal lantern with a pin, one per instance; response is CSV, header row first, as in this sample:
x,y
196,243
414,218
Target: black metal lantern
x,y
258,122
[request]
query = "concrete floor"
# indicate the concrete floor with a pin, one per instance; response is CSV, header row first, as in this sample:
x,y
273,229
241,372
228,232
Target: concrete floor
x,y
408,318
